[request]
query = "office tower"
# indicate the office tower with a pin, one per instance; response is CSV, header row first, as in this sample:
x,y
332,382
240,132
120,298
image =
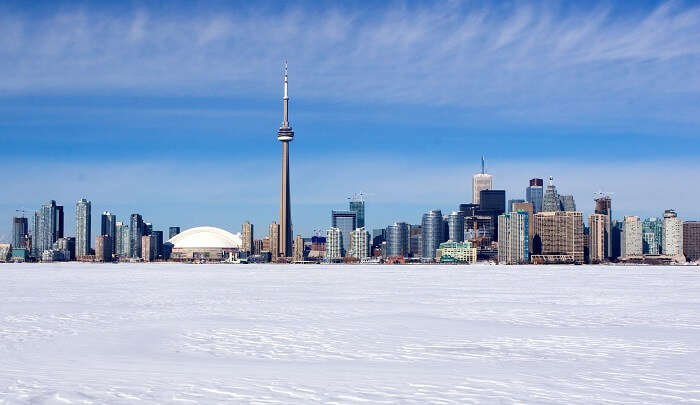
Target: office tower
x,y
567,203
147,248
527,207
59,221
135,234
534,194
511,202
346,221
285,135
597,238
298,249
468,210
672,234
173,231
432,233
103,248
67,247
455,227
631,238
652,229
559,236
334,244
397,239
551,201
109,227
493,204
147,228
415,242
357,205
83,227
274,235
158,252
359,243
616,234
123,245
247,237
480,181
378,236
603,205
20,230
691,240
514,242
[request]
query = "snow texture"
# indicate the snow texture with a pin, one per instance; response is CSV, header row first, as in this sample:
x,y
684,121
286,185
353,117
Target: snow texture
x,y
174,333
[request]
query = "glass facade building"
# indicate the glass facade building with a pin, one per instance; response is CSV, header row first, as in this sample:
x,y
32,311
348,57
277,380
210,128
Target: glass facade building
x,y
433,227
20,229
346,222
397,239
83,227
534,194
135,234
108,226
652,230
172,231
455,226
358,207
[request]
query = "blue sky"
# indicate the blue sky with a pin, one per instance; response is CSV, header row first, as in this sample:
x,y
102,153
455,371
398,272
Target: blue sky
x,y
171,109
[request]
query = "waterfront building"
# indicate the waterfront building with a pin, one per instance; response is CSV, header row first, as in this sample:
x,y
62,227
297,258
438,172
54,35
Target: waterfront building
x,y
103,248
173,231
108,227
357,205
20,231
205,243
558,237
359,243
534,194
334,244
298,249
83,227
123,248
158,252
60,223
652,231
455,252
455,226
597,235
672,234
397,239
45,228
135,234
691,240
631,238
551,201
346,221
432,233
481,181
527,207
603,205
616,232
247,236
514,241
274,235
257,246
147,248
66,246
285,134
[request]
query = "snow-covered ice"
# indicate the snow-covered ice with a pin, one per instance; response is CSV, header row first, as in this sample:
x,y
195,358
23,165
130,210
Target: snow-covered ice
x,y
169,333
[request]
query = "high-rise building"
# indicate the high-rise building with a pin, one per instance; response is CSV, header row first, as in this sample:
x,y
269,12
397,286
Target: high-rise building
x,y
83,227
67,247
147,228
432,226
672,234
597,237
274,235
158,244
109,227
551,201
493,204
652,229
567,203
135,234
247,237
514,242
103,248
357,205
20,230
631,238
59,222
534,194
397,239
527,207
285,135
455,227
691,240
346,221
511,202
147,248
616,236
378,236
359,243
480,181
123,246
558,236
173,231
298,249
45,228
334,244
603,205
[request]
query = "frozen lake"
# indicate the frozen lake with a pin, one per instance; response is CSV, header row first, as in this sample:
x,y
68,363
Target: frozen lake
x,y
167,333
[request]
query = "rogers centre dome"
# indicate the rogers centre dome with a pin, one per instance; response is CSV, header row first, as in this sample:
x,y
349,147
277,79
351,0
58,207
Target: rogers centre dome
x,y
204,243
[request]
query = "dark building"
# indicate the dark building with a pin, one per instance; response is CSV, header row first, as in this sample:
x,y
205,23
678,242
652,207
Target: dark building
x,y
147,229
534,194
616,239
172,231
603,205
20,230
691,240
358,206
59,221
378,236
468,210
103,248
135,234
492,203
158,244
108,227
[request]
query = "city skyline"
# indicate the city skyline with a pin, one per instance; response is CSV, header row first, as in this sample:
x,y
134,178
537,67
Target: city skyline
x,y
203,146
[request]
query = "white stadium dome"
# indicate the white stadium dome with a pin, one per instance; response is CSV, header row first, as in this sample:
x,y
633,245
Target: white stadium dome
x,y
206,237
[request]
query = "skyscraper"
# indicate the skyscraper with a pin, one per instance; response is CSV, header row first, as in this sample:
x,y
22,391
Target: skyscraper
x,y
535,193
558,236
83,227
173,231
511,202
298,249
122,245
603,205
59,222
672,234
567,203
157,244
45,228
109,227
135,234
247,237
346,221
274,235
551,202
652,229
20,229
480,181
285,135
597,235
147,248
359,243
397,239
631,238
691,240
103,248
357,205
527,207
432,233
514,241
334,244
455,224
493,204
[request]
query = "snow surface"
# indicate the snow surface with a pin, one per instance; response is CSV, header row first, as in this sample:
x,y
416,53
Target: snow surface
x,y
169,333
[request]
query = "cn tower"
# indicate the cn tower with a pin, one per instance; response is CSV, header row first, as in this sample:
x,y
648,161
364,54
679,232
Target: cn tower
x,y
285,135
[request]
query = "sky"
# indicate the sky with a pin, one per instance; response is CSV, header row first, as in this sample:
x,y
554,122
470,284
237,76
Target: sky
x,y
170,109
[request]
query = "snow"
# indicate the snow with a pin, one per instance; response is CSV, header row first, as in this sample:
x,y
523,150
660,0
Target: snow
x,y
77,333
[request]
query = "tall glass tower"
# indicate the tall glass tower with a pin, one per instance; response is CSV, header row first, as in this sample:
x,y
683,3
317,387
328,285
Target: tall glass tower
x,y
432,233
534,194
285,135
346,221
83,227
